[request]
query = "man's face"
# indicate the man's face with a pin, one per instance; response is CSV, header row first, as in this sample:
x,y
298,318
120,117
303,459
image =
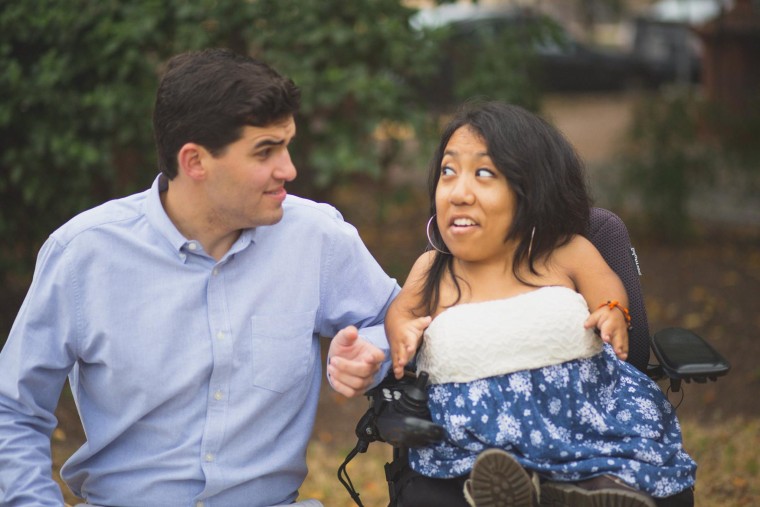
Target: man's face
x,y
246,182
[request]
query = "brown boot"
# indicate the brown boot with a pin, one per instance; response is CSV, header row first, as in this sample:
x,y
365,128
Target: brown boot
x,y
602,491
498,480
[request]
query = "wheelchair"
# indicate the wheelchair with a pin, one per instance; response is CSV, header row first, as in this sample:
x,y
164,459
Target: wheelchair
x,y
398,413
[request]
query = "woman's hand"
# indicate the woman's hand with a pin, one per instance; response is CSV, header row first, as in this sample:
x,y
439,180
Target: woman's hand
x,y
405,341
613,329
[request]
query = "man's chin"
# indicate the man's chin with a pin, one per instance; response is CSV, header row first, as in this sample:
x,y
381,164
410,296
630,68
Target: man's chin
x,y
270,219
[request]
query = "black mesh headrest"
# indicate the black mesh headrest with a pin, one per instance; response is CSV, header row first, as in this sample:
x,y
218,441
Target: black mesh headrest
x,y
610,236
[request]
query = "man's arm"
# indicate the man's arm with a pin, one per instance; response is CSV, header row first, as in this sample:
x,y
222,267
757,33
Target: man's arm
x,y
33,368
356,294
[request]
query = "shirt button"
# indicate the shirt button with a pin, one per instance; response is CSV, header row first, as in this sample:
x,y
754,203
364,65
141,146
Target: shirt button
x,y
219,335
192,246
183,256
198,504
209,457
218,395
215,271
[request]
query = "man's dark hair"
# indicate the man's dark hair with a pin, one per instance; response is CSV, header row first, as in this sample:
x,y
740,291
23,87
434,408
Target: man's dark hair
x,y
207,97
542,169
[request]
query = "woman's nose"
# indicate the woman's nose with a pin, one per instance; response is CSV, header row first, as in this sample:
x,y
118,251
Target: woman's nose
x,y
461,192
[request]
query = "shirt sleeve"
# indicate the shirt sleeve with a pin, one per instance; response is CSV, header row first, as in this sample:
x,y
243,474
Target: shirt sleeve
x,y
34,364
355,291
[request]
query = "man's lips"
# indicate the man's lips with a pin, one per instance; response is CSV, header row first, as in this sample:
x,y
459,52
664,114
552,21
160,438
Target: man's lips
x,y
278,193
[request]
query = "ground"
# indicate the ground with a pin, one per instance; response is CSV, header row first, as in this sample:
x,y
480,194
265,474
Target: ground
x,y
708,285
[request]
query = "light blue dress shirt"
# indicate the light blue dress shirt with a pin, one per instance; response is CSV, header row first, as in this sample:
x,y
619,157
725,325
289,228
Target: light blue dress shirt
x,y
196,380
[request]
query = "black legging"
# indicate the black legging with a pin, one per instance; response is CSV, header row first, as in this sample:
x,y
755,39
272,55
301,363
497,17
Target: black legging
x,y
419,491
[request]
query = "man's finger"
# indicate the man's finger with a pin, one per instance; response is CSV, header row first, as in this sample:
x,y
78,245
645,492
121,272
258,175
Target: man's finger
x,y
343,389
340,374
348,368
347,336
373,354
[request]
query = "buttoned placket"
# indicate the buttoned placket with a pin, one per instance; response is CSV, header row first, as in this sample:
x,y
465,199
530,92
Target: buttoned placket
x,y
218,387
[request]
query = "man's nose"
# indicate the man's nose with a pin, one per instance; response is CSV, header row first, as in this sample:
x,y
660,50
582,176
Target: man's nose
x,y
285,169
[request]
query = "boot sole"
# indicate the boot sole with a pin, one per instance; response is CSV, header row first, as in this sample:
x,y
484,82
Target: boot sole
x,y
568,495
499,481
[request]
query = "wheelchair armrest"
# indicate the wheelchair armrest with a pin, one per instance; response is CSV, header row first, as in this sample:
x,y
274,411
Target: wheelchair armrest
x,y
684,355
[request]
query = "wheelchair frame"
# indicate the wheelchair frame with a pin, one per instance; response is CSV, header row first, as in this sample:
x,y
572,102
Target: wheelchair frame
x,y
398,414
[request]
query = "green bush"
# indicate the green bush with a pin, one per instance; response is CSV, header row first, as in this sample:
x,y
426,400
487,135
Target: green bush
x,y
679,144
665,163
79,78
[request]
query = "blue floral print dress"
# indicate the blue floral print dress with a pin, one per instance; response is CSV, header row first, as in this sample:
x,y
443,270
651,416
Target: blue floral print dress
x,y
567,420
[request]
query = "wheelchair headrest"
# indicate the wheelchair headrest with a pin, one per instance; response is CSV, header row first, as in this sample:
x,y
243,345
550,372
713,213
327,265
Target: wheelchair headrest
x,y
609,235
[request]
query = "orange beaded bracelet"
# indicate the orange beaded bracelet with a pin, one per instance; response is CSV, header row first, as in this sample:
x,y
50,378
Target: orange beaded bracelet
x,y
616,304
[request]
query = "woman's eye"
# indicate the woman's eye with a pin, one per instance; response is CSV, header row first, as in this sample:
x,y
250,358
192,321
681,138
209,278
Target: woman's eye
x,y
263,154
447,171
485,173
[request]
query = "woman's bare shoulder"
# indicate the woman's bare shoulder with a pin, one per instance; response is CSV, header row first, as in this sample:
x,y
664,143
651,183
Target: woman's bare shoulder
x,y
577,253
576,246
421,267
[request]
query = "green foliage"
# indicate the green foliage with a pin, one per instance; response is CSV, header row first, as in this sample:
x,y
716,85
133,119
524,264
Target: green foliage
x,y
679,144
354,62
736,132
492,58
503,78
79,79
665,163
73,98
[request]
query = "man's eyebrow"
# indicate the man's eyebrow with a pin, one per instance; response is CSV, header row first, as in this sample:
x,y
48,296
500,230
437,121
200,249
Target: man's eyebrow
x,y
268,142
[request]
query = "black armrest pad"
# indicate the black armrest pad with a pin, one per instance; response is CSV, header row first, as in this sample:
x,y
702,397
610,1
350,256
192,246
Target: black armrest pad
x,y
685,355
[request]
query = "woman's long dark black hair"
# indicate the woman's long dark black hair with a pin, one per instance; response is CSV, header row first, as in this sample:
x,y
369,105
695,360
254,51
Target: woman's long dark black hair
x,y
544,172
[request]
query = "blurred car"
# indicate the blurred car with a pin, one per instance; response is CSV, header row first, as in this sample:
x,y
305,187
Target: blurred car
x,y
665,43
549,57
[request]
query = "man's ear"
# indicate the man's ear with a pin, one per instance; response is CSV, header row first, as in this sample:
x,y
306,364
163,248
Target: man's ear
x,y
189,160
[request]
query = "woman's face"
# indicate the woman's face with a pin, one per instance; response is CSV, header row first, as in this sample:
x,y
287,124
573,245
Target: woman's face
x,y
474,202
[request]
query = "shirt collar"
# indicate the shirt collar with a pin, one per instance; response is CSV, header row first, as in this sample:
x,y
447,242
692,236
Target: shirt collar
x,y
156,215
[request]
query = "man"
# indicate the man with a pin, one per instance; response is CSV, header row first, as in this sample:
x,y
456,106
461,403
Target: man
x,y
188,316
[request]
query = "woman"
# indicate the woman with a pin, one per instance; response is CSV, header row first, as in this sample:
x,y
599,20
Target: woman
x,y
525,333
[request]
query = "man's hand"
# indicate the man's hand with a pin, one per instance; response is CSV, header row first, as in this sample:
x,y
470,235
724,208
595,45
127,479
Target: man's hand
x,y
353,362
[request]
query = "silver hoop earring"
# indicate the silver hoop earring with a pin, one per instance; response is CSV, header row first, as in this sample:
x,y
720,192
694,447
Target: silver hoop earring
x,y
530,245
430,240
